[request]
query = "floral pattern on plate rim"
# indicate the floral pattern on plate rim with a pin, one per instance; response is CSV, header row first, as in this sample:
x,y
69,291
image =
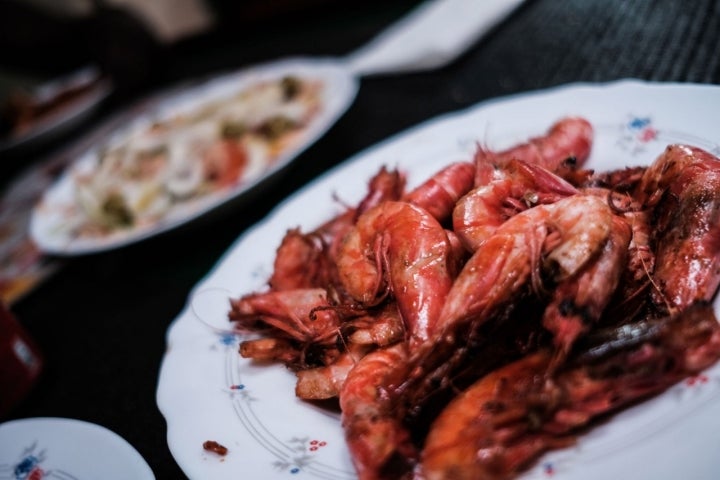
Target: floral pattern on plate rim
x,y
294,455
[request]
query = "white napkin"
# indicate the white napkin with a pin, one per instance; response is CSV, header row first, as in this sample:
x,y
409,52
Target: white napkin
x,y
431,36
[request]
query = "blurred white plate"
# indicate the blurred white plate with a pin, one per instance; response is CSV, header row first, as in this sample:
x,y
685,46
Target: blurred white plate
x,y
51,225
66,116
207,392
67,449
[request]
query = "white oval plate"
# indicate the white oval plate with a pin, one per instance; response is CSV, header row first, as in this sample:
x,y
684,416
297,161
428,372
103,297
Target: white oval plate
x,y
51,225
67,449
207,392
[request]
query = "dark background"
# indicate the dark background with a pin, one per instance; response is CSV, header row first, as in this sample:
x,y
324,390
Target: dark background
x,y
101,320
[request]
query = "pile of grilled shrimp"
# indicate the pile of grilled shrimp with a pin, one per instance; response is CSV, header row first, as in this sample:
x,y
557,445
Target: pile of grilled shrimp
x,y
487,316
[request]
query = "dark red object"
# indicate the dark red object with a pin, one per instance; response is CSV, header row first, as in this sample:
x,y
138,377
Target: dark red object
x,y
213,446
20,361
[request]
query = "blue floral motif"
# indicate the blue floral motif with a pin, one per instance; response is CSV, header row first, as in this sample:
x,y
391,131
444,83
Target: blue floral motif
x,y
239,390
29,467
228,338
26,466
636,133
638,123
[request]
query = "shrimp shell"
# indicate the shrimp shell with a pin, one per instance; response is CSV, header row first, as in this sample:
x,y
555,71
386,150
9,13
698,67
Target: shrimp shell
x,y
380,445
570,137
400,247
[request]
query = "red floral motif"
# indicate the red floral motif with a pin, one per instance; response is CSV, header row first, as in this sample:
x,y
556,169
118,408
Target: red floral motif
x,y
36,474
648,134
316,444
696,380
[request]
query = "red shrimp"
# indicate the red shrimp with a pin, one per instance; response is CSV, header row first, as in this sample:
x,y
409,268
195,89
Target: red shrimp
x,y
664,172
400,248
512,255
381,328
630,295
569,138
299,314
440,192
307,260
300,262
271,349
380,446
516,186
385,185
687,230
369,329
579,301
502,423
325,382
559,240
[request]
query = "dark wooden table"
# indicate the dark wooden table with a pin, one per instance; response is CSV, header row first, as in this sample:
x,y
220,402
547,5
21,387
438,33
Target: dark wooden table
x,y
101,320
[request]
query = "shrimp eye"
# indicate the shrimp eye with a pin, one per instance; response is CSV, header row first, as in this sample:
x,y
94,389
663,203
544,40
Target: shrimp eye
x,y
570,161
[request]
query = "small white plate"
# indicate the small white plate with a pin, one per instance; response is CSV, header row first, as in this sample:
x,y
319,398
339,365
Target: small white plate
x,y
67,449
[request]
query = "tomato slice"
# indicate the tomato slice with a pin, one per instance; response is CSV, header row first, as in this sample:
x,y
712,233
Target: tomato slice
x,y
225,162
